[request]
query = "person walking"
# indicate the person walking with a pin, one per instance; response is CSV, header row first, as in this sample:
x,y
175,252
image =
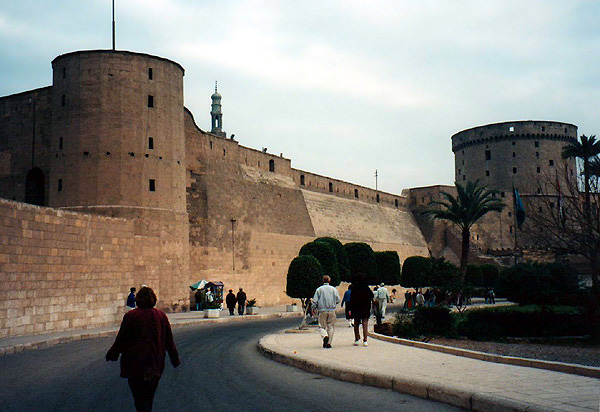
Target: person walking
x,y
382,297
230,301
346,300
241,301
199,297
325,300
131,299
144,337
360,302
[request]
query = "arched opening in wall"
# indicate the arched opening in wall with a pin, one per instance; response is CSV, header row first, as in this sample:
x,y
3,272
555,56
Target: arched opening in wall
x,y
301,180
377,197
271,165
34,187
356,193
330,187
396,202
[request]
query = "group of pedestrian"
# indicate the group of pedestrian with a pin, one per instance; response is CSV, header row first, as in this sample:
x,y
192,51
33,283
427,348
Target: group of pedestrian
x,y
417,298
490,296
358,302
232,300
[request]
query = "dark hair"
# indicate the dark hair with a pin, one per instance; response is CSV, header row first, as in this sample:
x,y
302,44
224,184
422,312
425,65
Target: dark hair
x,y
230,290
145,298
326,279
132,289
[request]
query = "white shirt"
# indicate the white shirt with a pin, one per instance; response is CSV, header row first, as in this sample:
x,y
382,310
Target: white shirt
x,y
382,294
326,298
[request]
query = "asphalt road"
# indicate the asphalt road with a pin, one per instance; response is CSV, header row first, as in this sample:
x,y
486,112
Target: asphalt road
x,y
221,370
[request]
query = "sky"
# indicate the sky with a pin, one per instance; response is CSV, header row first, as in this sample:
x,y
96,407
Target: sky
x,y
341,87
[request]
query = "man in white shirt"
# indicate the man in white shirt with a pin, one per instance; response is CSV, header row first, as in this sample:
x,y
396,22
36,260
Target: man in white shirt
x,y
325,300
382,296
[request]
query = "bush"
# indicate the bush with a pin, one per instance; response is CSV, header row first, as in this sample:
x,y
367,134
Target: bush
x,y
443,274
340,255
474,276
490,274
415,272
433,321
388,267
537,283
325,254
305,275
494,323
403,327
362,260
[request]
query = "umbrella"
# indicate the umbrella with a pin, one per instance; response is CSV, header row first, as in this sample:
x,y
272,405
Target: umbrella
x,y
198,285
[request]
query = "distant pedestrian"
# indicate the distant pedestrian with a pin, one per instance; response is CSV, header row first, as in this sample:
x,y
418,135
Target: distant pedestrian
x,y
393,297
492,297
241,301
230,301
346,301
325,300
131,299
360,301
419,299
199,296
407,300
382,297
143,339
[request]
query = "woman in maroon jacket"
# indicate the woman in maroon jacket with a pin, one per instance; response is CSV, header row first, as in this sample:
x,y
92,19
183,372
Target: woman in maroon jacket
x,y
144,337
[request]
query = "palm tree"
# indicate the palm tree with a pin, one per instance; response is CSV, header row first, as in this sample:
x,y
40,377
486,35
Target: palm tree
x,y
587,148
471,203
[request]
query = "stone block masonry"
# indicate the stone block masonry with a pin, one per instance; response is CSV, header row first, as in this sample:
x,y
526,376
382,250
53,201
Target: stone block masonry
x,y
62,270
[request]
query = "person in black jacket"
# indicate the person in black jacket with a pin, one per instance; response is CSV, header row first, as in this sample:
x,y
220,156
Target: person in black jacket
x,y
230,301
360,302
241,301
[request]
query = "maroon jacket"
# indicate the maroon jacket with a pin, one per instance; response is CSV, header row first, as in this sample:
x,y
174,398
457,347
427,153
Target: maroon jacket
x,y
144,337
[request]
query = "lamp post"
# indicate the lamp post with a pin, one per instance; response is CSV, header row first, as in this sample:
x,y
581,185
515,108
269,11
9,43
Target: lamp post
x,y
233,243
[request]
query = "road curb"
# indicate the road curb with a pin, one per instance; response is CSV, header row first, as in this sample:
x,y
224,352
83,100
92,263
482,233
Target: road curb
x,y
473,401
87,334
574,369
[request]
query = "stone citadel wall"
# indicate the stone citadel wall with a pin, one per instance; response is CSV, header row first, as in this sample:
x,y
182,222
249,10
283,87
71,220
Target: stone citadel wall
x,y
63,270
274,215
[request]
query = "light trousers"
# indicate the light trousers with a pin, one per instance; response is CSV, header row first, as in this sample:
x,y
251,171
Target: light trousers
x,y
327,324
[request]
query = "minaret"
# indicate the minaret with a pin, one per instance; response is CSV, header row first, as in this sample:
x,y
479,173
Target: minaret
x,y
216,115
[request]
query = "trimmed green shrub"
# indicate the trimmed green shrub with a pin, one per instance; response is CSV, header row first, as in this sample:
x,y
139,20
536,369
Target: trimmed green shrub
x,y
490,274
433,321
305,275
324,253
494,323
537,283
362,260
443,274
474,276
415,271
340,255
388,267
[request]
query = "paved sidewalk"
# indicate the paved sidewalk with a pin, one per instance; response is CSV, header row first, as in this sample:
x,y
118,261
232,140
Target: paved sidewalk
x,y
468,383
31,342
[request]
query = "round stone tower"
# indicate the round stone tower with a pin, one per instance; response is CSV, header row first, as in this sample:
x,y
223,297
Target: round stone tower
x,y
520,154
117,132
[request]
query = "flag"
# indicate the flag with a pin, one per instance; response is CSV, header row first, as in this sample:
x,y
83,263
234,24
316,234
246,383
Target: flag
x,y
519,209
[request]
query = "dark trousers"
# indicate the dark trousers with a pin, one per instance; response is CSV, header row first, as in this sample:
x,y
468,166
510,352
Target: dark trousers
x,y
231,309
241,307
143,393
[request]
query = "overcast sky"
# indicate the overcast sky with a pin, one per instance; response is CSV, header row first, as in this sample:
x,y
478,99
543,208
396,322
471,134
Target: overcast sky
x,y
341,87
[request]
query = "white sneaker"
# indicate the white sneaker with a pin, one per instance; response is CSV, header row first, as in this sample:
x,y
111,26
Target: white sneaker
x,y
357,343
350,324
365,344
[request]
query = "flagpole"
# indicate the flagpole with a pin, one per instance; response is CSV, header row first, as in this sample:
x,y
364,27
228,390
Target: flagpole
x,y
113,24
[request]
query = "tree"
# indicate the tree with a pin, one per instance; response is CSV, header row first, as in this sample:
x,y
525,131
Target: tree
x,y
415,272
388,267
586,149
324,253
470,204
340,255
362,260
304,276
